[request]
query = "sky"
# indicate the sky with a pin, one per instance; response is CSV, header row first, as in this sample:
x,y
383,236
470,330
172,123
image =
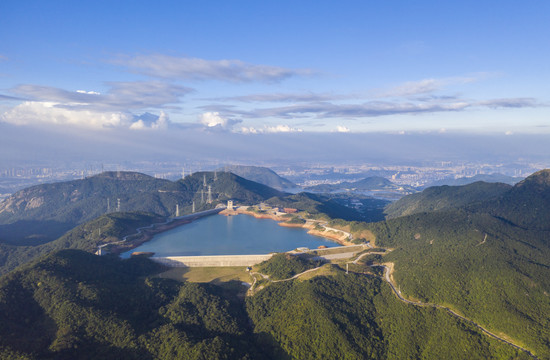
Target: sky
x,y
236,75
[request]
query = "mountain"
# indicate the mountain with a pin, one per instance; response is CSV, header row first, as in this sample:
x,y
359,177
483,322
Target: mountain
x,y
44,212
104,229
489,260
75,305
444,197
490,178
374,183
526,205
260,175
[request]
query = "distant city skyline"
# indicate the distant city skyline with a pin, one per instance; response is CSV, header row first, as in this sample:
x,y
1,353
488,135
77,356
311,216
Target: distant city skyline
x,y
238,73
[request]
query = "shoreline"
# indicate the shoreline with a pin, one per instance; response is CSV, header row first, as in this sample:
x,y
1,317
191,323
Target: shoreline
x,y
341,239
146,233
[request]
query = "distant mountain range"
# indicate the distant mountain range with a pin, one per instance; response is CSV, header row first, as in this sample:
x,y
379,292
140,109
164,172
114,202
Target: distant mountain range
x,y
260,175
374,183
490,178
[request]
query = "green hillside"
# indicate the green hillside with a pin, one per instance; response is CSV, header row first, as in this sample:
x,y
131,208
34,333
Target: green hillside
x,y
478,261
43,213
74,305
260,175
104,229
444,197
526,205
357,317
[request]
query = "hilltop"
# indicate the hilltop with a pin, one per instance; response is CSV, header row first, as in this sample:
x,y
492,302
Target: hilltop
x,y
42,213
373,183
260,175
444,197
489,178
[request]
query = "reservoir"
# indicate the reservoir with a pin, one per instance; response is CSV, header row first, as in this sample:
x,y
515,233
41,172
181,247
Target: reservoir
x,y
229,235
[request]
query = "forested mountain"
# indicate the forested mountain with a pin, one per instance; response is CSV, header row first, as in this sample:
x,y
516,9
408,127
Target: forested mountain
x,y
104,229
526,205
44,212
260,175
482,250
444,197
490,260
74,305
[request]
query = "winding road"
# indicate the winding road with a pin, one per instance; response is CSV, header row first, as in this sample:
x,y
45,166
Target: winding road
x,y
415,303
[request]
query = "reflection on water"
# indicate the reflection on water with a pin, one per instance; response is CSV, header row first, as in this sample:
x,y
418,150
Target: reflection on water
x,y
229,235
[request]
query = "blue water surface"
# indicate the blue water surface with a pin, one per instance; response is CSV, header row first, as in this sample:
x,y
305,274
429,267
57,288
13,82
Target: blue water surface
x,y
229,235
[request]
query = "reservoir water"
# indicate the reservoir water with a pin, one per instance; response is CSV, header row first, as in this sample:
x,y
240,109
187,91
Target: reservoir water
x,y
229,235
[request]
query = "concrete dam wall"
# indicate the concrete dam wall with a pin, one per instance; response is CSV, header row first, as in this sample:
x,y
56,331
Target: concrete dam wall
x,y
212,260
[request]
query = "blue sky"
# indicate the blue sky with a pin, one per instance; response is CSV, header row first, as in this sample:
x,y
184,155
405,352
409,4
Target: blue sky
x,y
256,67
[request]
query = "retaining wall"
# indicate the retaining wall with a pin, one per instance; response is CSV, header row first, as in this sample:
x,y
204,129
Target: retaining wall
x,y
212,260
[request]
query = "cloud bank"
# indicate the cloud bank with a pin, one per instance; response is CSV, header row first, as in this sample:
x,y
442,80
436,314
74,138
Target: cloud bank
x,y
186,68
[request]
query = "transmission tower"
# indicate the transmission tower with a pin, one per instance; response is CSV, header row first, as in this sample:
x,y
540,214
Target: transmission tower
x,y
193,207
204,180
177,210
183,173
202,196
118,205
209,194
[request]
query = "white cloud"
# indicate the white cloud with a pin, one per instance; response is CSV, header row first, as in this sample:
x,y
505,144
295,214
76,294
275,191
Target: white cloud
x,y
171,67
270,129
212,119
88,92
35,112
342,129
161,123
